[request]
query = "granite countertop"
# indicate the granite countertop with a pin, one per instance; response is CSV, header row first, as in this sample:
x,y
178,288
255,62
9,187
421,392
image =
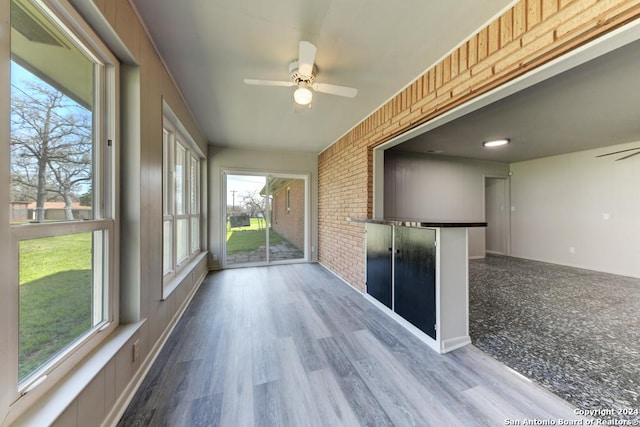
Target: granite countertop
x,y
413,222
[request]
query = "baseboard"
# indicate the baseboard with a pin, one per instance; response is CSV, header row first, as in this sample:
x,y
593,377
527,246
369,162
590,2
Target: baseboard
x,y
130,390
339,277
495,253
433,344
393,315
454,343
580,266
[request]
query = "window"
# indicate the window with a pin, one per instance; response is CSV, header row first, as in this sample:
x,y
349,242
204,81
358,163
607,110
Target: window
x,y
181,197
61,178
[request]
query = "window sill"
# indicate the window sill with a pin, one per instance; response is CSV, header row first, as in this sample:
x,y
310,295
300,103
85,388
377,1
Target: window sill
x,y
55,402
185,271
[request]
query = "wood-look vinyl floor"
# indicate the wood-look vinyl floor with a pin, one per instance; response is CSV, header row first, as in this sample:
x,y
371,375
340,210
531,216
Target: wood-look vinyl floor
x,y
292,345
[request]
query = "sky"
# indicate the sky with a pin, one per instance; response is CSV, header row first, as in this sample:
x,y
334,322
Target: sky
x,y
18,73
242,184
19,76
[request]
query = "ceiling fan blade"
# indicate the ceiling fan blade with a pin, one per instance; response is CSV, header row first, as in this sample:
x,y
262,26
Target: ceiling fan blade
x,y
618,152
268,82
306,58
348,92
626,157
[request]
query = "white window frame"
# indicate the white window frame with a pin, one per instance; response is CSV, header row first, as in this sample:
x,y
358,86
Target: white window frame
x,y
305,177
176,137
104,225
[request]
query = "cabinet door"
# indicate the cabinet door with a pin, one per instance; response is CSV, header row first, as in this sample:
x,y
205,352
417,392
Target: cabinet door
x,y
415,277
379,262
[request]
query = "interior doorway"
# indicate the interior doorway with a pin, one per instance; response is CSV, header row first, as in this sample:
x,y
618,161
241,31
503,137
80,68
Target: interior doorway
x,y
265,219
497,215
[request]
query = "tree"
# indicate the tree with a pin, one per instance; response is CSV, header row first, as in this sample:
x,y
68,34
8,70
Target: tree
x,y
51,145
254,203
70,173
86,199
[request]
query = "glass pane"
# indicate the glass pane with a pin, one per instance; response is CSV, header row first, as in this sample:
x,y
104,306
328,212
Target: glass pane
x,y
194,203
167,247
286,234
182,237
59,301
181,174
195,234
52,100
246,219
166,173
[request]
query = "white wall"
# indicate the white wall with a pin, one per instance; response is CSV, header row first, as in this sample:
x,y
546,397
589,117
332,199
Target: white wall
x,y
440,188
267,161
560,202
497,215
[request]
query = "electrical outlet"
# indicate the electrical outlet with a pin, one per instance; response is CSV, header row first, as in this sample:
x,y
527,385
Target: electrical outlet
x,y
572,250
136,350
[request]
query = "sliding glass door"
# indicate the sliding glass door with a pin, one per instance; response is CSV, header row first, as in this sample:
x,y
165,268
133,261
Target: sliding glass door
x,y
265,218
287,236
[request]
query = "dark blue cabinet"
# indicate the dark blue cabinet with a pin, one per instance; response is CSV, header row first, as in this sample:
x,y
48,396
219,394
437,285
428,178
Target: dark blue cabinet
x,y
427,259
379,253
401,272
415,277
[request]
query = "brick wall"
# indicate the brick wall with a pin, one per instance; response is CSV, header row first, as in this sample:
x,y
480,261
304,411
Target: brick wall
x,y
531,33
289,223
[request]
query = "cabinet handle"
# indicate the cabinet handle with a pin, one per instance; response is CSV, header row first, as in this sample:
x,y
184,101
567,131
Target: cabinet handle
x,y
397,251
390,249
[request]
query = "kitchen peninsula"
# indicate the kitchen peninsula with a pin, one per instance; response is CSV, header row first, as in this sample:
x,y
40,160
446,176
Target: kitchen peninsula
x,y
417,272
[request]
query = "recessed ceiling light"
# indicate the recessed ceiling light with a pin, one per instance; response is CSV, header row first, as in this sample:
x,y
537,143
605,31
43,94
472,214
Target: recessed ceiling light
x,y
495,143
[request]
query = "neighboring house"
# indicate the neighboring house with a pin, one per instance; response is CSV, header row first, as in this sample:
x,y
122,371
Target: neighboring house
x,y
24,211
18,211
287,207
56,211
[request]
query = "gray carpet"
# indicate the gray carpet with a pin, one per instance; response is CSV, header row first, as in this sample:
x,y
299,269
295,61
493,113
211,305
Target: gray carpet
x,y
574,331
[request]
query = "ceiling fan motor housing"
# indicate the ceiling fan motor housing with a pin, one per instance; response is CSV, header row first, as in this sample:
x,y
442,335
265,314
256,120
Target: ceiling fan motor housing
x,y
298,78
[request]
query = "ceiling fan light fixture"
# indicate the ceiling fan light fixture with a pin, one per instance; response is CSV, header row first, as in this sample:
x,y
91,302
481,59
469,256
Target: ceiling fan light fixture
x,y
303,74
303,95
496,143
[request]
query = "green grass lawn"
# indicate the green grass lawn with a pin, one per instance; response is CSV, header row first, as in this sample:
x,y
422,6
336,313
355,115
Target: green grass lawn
x,y
248,239
55,296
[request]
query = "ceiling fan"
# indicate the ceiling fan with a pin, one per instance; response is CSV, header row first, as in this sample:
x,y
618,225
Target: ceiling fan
x,y
302,73
637,151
